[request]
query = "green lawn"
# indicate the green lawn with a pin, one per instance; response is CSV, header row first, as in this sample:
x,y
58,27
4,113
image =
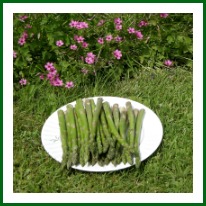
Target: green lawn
x,y
167,92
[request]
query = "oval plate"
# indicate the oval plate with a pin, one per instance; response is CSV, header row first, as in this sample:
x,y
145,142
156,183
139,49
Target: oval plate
x,y
151,135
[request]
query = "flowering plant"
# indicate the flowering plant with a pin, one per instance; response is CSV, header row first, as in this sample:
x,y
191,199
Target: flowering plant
x,y
64,49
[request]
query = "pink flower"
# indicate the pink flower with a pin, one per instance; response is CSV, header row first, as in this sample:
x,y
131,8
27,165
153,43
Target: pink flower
x,y
118,54
73,24
73,47
117,21
24,35
56,82
22,41
59,43
82,25
49,66
50,76
100,23
118,27
80,39
22,18
139,34
23,81
90,54
89,60
28,26
69,85
101,41
78,24
53,71
109,37
41,76
76,37
164,15
131,30
14,54
85,71
118,38
168,63
85,44
142,23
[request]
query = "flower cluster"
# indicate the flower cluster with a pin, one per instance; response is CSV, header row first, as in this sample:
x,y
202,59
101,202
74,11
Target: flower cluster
x,y
78,42
138,33
109,38
78,24
53,76
118,23
22,39
90,58
79,39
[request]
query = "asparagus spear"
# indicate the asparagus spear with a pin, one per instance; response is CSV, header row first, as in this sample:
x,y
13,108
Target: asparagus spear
x,y
105,143
88,109
93,142
80,140
82,118
116,116
139,123
136,111
72,133
131,118
109,139
131,131
123,130
99,142
96,115
63,136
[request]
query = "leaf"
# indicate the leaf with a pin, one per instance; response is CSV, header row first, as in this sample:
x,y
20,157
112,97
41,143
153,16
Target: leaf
x,y
64,65
153,22
180,38
170,39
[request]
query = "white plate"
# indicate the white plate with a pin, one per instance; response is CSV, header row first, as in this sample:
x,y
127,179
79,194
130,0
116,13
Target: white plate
x,y
151,136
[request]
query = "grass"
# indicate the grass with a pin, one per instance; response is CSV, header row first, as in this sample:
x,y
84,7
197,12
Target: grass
x,y
167,92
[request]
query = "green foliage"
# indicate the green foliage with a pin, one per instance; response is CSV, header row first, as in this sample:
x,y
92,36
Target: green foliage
x,y
164,38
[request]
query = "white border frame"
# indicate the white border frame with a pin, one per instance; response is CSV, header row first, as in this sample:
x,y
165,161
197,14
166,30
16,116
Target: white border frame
x,y
9,9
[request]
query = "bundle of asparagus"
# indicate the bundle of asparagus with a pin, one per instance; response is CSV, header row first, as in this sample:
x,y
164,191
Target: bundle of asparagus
x,y
97,133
